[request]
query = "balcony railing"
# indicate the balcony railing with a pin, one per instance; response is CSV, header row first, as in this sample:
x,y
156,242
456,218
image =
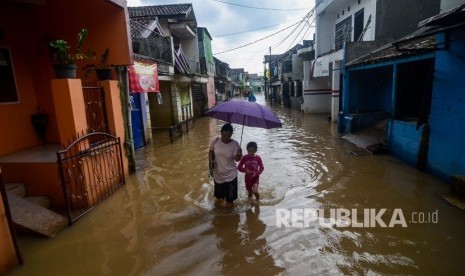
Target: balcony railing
x,y
194,67
154,46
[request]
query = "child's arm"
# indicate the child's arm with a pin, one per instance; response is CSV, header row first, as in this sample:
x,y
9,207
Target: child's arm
x,y
261,168
241,166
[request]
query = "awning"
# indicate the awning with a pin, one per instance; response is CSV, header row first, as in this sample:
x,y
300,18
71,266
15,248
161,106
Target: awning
x,y
143,77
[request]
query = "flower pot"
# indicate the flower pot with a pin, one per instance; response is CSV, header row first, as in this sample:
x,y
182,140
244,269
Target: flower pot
x,y
104,74
65,71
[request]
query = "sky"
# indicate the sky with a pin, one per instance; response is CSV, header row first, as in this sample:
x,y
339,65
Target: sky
x,y
221,18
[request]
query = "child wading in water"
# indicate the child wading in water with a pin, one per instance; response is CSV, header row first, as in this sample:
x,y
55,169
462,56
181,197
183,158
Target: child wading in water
x,y
251,164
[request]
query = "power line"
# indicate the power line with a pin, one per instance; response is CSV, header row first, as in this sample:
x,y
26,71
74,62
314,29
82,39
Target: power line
x,y
263,38
308,28
260,8
306,17
251,30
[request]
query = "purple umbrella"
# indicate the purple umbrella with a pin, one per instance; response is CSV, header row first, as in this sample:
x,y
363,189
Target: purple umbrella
x,y
246,114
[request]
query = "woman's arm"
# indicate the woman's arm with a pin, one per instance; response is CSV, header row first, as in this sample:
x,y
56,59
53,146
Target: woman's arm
x,y
241,166
238,156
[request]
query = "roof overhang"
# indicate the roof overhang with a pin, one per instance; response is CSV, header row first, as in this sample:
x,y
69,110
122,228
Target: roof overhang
x,y
182,30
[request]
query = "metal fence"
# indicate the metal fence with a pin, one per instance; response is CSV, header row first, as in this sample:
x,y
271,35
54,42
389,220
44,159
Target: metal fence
x,y
91,169
170,133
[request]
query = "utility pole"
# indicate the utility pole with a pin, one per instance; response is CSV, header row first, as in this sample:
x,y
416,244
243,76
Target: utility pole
x,y
269,86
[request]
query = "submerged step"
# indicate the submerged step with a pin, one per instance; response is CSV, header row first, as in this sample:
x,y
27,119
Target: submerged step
x,y
43,201
17,189
33,217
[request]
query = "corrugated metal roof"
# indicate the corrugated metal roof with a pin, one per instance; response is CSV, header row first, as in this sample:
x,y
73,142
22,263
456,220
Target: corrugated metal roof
x,y
392,51
160,10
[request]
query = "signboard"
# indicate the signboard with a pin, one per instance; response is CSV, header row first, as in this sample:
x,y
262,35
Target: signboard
x,y
143,77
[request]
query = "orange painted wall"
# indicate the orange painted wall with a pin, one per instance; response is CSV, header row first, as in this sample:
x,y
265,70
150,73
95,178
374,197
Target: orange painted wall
x,y
41,179
7,251
16,130
28,37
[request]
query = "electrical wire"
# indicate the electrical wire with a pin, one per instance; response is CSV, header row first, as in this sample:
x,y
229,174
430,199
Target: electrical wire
x,y
251,30
260,8
258,40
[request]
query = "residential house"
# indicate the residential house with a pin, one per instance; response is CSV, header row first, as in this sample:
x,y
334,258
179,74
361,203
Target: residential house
x,y
273,84
307,54
28,85
207,68
375,22
286,77
256,83
416,82
222,80
173,107
240,84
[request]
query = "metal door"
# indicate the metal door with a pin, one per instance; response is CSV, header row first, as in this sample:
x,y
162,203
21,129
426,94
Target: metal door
x,y
136,121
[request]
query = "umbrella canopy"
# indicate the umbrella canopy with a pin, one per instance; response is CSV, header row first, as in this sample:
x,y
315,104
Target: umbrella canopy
x,y
245,113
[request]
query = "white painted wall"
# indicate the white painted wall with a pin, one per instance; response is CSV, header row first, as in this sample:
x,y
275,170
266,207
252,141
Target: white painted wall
x,y
450,4
191,48
327,19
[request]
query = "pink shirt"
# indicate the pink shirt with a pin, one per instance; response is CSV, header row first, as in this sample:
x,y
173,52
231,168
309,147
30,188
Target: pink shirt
x,y
225,169
252,164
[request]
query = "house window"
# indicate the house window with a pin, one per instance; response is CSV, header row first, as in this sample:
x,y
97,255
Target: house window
x,y
414,88
358,25
348,9
343,32
287,66
359,2
8,89
342,12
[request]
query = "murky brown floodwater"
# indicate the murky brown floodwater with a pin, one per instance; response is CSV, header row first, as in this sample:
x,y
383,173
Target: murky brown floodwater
x,y
164,221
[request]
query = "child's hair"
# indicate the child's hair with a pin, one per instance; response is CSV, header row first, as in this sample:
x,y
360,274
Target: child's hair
x,y
252,145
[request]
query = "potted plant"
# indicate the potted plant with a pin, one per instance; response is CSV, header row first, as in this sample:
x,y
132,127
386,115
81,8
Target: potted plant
x,y
65,66
103,70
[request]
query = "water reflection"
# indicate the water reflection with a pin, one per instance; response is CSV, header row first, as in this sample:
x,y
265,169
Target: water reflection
x,y
164,222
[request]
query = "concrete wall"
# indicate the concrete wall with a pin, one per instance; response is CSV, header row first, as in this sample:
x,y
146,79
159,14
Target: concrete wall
x,y
403,140
369,91
7,251
211,92
395,19
326,22
447,120
161,115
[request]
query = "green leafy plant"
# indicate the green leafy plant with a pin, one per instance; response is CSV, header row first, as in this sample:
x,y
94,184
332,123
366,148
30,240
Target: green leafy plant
x,y
61,50
103,63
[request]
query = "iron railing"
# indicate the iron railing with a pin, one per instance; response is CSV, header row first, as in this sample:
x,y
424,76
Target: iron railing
x,y
170,133
90,172
96,114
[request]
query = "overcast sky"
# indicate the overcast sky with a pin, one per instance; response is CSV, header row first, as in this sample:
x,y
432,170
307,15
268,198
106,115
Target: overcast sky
x,y
220,18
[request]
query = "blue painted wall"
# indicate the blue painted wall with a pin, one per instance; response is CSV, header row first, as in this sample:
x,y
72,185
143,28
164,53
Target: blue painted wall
x,y
370,90
403,140
447,140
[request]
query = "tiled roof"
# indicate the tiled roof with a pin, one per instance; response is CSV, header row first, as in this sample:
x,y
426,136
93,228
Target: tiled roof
x,y
160,10
397,50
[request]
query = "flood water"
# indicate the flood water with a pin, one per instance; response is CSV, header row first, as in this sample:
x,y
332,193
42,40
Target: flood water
x,y
164,221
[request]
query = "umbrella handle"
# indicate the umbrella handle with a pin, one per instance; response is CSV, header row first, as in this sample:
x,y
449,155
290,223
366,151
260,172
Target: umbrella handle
x,y
243,122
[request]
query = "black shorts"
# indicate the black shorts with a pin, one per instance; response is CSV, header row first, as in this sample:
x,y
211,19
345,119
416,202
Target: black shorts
x,y
226,190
